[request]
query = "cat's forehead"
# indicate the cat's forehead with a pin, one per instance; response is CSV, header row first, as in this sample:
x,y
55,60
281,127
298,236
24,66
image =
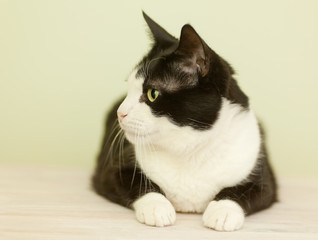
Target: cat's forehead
x,y
164,75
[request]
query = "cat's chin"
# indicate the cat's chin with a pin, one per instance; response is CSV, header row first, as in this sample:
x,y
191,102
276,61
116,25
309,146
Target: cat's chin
x,y
139,138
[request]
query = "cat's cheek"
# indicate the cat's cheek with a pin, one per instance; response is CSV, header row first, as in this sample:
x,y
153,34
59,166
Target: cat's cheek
x,y
140,126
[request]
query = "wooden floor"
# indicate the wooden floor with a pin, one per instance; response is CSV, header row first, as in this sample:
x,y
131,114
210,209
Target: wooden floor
x,y
41,203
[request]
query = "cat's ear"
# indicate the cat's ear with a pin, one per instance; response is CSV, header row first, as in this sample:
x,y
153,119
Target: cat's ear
x,y
160,36
194,51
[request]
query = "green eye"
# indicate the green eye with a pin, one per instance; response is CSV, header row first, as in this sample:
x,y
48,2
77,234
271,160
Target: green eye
x,y
152,94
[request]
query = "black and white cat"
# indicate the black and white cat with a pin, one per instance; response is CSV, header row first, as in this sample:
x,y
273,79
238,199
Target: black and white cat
x,y
184,139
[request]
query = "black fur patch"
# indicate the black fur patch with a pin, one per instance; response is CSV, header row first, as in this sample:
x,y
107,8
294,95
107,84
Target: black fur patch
x,y
186,95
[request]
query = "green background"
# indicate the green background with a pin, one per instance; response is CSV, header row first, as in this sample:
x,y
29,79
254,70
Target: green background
x,y
63,63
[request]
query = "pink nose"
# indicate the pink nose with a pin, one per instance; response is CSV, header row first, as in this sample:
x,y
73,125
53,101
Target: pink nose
x,y
121,116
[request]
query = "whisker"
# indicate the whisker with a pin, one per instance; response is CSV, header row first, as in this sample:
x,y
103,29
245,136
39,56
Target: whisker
x,y
121,153
135,168
133,178
144,151
148,145
197,121
148,65
138,145
110,152
114,127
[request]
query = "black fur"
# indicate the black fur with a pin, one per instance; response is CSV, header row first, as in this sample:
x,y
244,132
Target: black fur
x,y
197,99
191,79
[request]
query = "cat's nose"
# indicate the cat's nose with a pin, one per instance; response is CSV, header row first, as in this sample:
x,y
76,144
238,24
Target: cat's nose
x,y
121,115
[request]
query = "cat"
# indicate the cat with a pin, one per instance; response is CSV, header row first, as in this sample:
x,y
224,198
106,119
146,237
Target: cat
x,y
184,139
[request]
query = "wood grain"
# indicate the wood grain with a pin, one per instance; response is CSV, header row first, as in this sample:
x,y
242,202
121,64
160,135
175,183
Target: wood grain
x,y
58,203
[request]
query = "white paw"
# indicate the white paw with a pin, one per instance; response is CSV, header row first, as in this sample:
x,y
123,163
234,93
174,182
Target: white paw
x,y
223,215
155,210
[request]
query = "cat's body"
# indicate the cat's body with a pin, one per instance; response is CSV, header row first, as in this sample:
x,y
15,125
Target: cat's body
x,y
193,143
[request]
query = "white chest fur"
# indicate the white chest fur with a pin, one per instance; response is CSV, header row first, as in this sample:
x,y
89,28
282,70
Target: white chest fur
x,y
191,167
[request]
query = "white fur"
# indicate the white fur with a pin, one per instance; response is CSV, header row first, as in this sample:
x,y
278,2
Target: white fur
x,y
191,166
223,215
155,210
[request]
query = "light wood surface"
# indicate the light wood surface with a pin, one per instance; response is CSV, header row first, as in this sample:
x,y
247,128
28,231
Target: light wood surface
x,y
58,203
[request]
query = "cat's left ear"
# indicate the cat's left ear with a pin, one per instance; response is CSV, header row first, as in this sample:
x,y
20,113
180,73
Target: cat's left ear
x,y
160,36
194,51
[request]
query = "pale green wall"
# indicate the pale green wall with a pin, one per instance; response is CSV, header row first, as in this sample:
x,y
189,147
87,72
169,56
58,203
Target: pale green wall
x,y
62,63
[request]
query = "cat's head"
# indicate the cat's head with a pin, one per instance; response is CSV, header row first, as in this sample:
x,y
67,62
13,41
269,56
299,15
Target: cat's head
x,y
176,88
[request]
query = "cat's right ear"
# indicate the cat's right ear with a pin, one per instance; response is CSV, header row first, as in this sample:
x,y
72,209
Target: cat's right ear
x,y
160,36
194,51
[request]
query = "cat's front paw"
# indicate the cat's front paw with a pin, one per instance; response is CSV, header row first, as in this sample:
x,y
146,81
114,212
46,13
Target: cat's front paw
x,y
155,210
223,215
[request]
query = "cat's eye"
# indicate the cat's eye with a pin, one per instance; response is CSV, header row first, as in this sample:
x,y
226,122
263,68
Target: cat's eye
x,y
152,94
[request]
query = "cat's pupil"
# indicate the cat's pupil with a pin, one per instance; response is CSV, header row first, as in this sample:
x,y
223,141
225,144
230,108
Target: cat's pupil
x,y
153,93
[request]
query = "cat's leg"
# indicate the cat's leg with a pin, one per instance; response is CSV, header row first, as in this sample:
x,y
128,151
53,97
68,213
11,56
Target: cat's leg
x,y
144,197
223,215
155,210
227,211
129,187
